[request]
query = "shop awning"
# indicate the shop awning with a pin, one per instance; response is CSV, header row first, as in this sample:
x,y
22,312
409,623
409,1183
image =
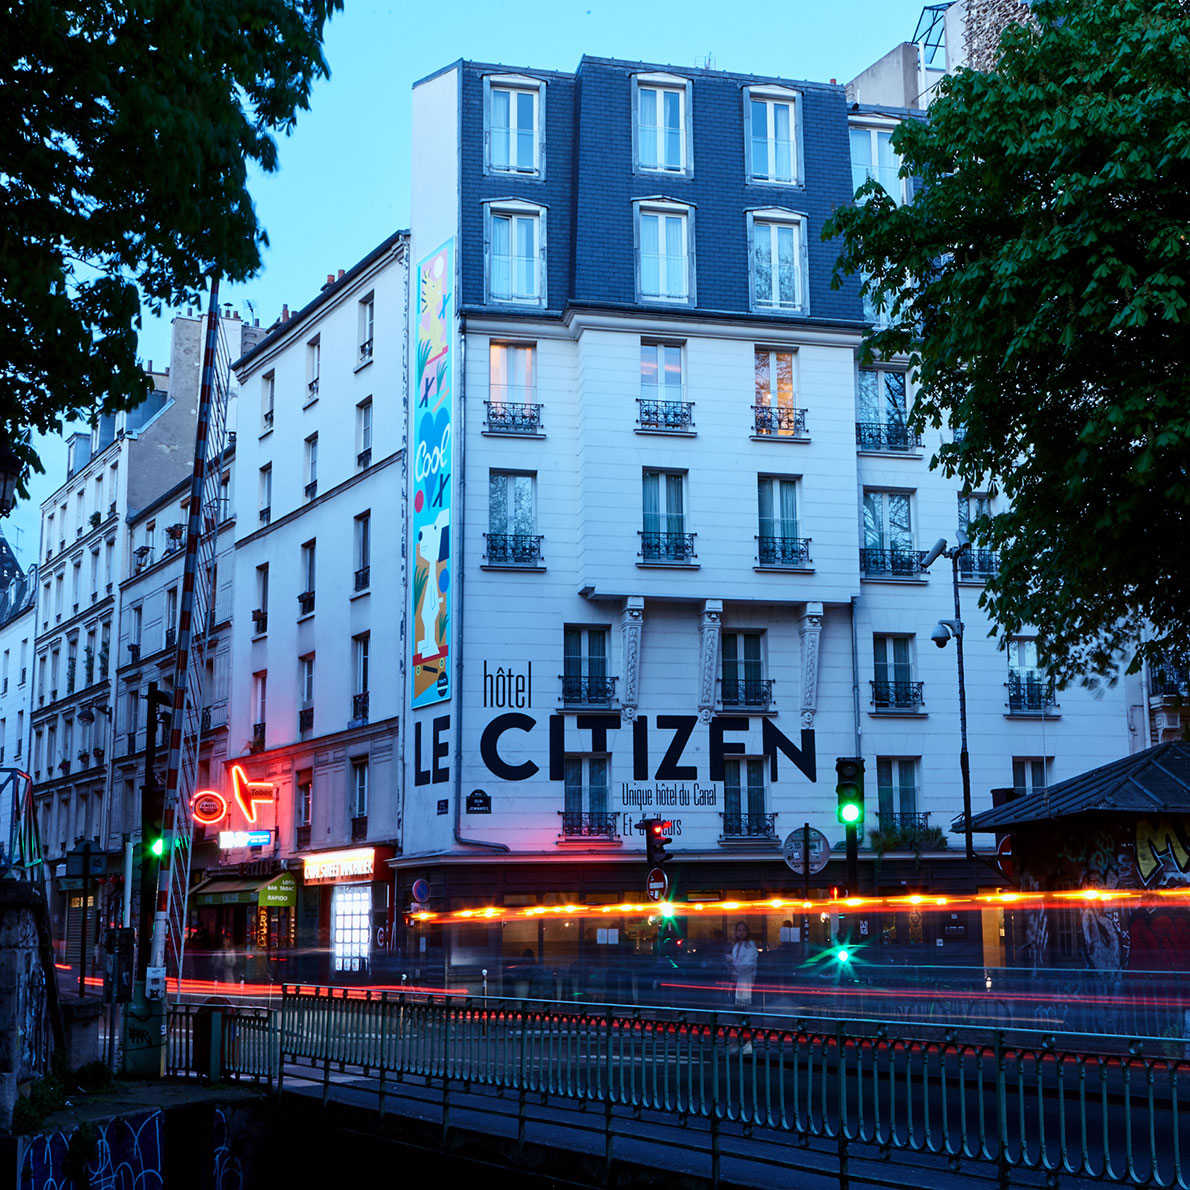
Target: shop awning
x,y
268,892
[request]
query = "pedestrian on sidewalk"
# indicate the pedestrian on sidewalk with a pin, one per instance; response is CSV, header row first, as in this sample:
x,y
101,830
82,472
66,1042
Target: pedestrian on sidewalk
x,y
741,961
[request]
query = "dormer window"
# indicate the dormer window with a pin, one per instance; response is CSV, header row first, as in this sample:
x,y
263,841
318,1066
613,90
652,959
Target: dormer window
x,y
513,108
661,128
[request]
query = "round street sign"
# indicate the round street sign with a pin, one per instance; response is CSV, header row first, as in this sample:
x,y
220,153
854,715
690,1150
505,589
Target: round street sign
x,y
657,885
820,851
421,890
1004,857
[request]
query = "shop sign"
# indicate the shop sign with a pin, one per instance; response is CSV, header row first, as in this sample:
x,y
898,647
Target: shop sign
x,y
280,893
334,866
230,840
210,807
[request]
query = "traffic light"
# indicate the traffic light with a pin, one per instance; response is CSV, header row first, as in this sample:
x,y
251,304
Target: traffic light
x,y
157,846
656,840
850,790
842,956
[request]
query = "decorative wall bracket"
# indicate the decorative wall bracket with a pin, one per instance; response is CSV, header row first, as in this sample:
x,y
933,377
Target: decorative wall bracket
x,y
810,630
631,624
709,626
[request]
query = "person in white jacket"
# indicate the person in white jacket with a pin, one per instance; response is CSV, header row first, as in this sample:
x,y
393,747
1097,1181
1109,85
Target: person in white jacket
x,y
742,961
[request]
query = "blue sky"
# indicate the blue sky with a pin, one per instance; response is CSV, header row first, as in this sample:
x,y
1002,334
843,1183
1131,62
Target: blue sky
x,y
343,182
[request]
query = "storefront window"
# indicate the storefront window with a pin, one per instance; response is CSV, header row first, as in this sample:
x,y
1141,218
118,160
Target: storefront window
x,y
351,909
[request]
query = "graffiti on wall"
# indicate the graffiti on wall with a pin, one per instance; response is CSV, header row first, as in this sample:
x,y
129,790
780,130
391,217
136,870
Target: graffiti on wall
x,y
431,536
1162,851
123,1152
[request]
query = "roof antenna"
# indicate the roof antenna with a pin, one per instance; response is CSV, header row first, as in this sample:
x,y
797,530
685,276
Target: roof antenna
x,y
707,62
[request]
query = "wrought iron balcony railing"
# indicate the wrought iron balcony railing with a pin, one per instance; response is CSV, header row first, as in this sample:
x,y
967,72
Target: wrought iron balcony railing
x,y
359,707
978,565
778,421
897,696
583,690
903,820
1169,679
265,515
513,417
1030,693
267,419
513,549
364,458
306,719
205,720
171,638
134,652
783,551
257,735
359,828
746,692
876,435
302,837
590,824
363,576
365,351
673,417
667,547
897,563
749,826
312,489
305,603
260,621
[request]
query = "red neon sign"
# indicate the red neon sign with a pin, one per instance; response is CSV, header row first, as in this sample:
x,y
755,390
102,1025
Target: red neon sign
x,y
209,806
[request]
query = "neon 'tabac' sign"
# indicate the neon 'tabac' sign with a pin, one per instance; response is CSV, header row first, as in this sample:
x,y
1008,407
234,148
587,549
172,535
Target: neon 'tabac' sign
x,y
210,807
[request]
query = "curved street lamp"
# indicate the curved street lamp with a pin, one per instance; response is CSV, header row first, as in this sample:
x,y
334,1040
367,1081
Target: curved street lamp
x,y
944,630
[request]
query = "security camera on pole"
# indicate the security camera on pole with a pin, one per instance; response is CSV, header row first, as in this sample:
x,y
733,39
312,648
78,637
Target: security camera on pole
x,y
943,631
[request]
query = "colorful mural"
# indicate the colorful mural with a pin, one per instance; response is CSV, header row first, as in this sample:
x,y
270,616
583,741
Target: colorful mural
x,y
430,539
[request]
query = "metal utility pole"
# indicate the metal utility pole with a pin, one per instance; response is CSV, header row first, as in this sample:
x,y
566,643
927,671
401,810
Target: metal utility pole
x,y
151,806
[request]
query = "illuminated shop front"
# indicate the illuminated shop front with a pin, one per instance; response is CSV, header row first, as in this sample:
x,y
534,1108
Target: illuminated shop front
x,y
242,924
353,908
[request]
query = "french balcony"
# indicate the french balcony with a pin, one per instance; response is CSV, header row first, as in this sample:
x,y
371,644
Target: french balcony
x,y
778,421
359,828
134,653
584,690
364,458
512,549
903,820
894,563
1031,693
267,420
365,351
665,417
363,578
359,707
257,736
205,720
746,693
977,566
311,489
886,438
782,552
302,837
311,390
590,824
171,638
305,603
266,515
516,414
898,696
907,830
749,826
1169,679
305,720
667,548
260,621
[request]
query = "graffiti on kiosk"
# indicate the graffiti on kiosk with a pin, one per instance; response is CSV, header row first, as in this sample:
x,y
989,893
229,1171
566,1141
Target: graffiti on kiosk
x,y
430,537
1162,851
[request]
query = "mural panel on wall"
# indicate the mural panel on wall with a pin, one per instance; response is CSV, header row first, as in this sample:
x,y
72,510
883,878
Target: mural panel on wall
x,y
430,539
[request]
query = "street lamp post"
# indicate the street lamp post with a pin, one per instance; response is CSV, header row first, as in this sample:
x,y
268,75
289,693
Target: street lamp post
x,y
943,631
10,473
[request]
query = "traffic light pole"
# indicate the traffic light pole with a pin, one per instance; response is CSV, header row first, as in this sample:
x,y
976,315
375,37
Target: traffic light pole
x,y
150,824
852,861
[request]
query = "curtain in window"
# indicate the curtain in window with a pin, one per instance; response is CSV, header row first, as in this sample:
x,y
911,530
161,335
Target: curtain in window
x,y
778,507
652,501
648,127
572,652
501,127
731,791
596,652
526,257
787,278
650,254
501,266
888,165
907,786
510,508
782,143
597,798
762,263
755,774
573,795
675,257
672,106
511,373
675,521
525,123
861,157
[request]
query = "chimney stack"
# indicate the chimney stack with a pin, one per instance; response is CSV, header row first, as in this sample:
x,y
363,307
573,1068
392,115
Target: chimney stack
x,y
285,312
340,274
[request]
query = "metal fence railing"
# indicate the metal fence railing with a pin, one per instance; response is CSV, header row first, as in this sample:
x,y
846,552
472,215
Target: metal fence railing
x,y
991,1102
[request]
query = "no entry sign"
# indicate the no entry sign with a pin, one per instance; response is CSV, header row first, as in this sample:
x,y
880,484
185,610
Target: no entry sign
x,y
657,885
1004,856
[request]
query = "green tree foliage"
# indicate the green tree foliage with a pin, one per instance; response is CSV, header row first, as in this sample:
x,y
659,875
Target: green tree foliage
x,y
129,128
1038,284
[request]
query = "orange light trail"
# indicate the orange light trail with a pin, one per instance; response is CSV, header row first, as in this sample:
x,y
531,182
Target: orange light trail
x,y
917,902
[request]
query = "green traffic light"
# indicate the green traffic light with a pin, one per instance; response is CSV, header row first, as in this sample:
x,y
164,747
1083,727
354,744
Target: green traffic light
x,y
157,847
843,955
850,813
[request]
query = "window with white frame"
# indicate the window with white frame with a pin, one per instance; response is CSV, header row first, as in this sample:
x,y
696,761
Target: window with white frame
x,y
516,253
260,693
664,252
771,136
1030,774
872,156
660,371
363,550
513,114
367,324
897,792
303,802
893,687
359,650
779,542
662,123
266,493
268,398
745,812
313,367
308,572
359,787
585,810
306,679
664,537
778,271
888,522
743,683
363,433
512,374
584,665
774,390
882,422
171,614
512,519
311,466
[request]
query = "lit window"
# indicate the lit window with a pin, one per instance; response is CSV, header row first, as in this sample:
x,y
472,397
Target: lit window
x,y
516,253
778,260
